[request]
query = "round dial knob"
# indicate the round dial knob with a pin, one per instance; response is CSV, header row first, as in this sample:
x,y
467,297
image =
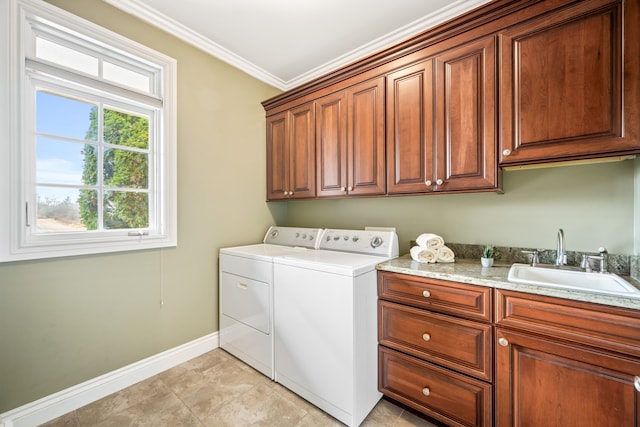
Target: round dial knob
x,y
376,241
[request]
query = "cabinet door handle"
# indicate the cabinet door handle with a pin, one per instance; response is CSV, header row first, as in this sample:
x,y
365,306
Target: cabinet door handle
x,y
439,182
349,188
503,342
636,383
342,189
506,152
426,294
428,182
426,337
426,391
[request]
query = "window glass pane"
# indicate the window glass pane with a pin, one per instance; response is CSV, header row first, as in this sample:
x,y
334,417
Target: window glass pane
x,y
126,77
62,55
127,129
126,210
123,168
88,208
64,162
58,210
62,116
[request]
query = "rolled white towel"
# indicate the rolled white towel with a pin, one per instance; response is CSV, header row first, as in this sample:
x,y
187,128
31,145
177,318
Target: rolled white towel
x,y
424,255
445,254
430,241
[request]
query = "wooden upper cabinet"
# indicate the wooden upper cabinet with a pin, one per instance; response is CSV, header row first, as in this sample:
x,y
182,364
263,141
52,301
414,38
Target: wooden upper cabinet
x,y
410,121
441,122
466,117
291,154
277,156
563,77
350,141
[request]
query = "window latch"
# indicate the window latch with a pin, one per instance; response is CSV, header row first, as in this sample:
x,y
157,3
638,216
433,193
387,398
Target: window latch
x,y
139,233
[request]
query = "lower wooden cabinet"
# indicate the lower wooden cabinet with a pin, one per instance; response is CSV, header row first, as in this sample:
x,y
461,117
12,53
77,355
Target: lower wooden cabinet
x,y
542,382
436,347
455,399
456,343
516,359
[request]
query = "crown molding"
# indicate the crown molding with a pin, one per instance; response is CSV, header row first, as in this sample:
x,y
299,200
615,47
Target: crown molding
x,y
140,10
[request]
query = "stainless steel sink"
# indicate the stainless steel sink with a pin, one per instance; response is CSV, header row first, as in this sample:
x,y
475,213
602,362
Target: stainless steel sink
x,y
608,283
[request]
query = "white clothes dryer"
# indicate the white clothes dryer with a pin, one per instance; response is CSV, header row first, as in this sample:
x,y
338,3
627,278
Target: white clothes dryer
x,y
246,293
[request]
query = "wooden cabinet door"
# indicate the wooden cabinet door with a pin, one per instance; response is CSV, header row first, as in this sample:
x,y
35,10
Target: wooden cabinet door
x,y
410,132
302,177
331,145
465,143
365,138
562,84
291,154
278,156
350,141
540,382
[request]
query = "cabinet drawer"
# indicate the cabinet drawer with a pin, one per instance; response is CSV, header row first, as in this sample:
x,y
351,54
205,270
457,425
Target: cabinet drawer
x,y
447,396
436,295
605,327
459,344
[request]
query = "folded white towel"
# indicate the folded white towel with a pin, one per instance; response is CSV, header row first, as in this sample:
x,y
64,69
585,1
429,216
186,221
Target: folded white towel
x,y
445,254
423,255
430,241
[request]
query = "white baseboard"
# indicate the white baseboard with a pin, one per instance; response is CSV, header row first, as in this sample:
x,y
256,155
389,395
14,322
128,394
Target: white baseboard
x,y
57,404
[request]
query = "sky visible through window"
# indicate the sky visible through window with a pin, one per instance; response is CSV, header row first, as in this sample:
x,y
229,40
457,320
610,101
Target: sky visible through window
x,y
60,161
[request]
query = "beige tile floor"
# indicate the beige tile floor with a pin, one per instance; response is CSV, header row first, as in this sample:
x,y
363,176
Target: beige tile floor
x,y
218,390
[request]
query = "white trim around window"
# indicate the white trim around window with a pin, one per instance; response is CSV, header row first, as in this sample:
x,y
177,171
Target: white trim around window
x,y
80,66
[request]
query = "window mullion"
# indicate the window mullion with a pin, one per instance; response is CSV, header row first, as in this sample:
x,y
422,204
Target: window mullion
x,y
100,167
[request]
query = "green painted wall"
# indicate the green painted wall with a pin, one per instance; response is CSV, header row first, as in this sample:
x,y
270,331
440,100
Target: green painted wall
x,y
594,204
65,321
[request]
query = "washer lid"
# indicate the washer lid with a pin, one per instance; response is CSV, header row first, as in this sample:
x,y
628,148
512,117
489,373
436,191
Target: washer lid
x,y
343,263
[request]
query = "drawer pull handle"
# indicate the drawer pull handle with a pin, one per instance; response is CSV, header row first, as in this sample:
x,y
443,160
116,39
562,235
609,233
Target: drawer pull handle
x,y
426,391
426,294
426,337
503,342
636,383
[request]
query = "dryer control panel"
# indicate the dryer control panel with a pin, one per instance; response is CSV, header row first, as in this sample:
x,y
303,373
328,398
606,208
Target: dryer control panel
x,y
293,236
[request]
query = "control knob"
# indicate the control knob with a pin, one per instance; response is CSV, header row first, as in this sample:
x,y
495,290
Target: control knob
x,y
376,241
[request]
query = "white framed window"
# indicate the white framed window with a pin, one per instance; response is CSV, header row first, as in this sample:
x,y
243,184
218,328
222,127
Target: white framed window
x,y
88,149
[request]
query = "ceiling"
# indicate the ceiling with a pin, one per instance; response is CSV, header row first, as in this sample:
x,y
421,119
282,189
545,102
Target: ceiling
x,y
288,42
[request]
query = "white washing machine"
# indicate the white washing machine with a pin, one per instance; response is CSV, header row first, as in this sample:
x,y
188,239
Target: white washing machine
x,y
246,293
325,321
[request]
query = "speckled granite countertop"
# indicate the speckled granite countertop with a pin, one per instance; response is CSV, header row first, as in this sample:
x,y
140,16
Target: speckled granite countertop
x,y
470,271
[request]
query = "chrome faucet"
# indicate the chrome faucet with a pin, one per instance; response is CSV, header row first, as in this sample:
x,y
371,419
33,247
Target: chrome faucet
x,y
603,259
561,255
